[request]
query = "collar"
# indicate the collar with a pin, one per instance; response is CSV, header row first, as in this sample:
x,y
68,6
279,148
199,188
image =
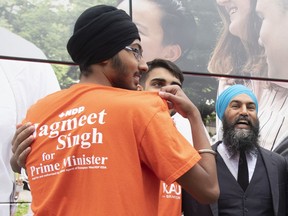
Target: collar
x,y
223,149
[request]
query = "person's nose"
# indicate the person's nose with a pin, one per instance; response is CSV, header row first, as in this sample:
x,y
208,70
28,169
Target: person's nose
x,y
244,110
143,67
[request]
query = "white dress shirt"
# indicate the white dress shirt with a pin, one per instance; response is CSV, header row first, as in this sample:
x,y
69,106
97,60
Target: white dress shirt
x,y
232,161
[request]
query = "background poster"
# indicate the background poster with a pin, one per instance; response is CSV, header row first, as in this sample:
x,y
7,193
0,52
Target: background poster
x,y
216,44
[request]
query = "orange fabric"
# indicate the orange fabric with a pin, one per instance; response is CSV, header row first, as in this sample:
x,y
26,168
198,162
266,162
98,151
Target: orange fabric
x,y
170,198
101,151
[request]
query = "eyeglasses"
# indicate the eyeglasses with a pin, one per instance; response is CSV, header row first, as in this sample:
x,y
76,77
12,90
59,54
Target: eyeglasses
x,y
137,52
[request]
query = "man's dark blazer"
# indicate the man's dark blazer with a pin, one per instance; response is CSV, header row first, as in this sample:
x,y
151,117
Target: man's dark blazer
x,y
277,170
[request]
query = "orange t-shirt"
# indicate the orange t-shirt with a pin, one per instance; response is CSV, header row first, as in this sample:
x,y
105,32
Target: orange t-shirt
x,y
101,151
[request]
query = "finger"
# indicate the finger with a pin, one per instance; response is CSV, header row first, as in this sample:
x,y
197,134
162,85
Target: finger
x,y
19,129
22,133
165,95
19,125
173,89
170,105
21,161
26,143
22,151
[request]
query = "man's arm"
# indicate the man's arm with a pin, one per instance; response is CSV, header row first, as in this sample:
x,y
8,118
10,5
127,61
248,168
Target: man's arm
x,y
201,180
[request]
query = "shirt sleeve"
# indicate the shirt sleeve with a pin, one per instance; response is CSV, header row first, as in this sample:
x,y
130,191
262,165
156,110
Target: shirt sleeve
x,y
165,150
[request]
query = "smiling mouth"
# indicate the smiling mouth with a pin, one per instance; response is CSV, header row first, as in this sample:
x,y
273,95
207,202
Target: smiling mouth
x,y
243,124
137,77
232,11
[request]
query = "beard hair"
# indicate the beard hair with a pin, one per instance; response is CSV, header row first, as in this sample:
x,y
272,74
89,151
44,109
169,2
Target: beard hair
x,y
240,139
119,66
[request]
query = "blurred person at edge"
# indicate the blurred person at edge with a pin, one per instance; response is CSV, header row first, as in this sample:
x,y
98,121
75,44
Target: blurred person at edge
x,y
22,84
274,101
134,165
163,73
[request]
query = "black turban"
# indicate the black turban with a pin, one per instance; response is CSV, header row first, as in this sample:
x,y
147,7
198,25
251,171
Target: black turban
x,y
100,33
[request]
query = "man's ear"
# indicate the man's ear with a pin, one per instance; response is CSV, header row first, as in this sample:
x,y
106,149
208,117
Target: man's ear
x,y
140,88
172,52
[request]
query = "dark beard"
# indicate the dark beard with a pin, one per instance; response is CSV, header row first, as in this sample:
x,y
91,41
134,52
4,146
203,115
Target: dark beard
x,y
119,66
240,139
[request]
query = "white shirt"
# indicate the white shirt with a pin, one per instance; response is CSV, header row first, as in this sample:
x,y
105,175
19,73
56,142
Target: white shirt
x,y
184,127
232,161
21,85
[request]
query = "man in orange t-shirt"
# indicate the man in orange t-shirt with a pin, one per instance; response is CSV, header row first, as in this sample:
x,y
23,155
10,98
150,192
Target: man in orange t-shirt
x,y
102,149
87,145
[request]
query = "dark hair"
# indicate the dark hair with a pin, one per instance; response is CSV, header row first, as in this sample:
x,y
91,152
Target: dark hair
x,y
178,24
85,70
233,56
162,63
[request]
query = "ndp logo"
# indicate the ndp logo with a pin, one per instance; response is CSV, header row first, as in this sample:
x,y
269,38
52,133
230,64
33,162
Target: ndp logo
x,y
72,112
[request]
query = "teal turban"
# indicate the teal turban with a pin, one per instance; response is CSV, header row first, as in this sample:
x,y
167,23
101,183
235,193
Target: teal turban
x,y
228,94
